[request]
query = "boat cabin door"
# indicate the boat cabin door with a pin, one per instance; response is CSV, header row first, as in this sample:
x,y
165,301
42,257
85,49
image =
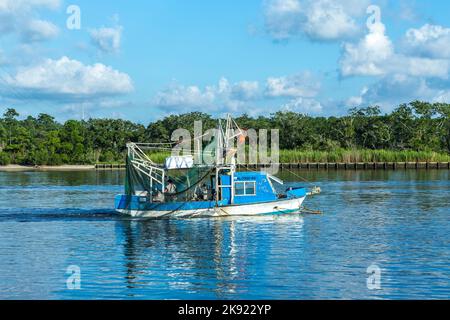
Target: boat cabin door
x,y
224,186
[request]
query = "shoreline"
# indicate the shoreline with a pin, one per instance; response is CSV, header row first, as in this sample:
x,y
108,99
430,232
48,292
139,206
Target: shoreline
x,y
340,166
14,167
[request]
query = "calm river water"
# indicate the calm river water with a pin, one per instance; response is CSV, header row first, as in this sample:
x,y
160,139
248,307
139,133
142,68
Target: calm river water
x,y
398,222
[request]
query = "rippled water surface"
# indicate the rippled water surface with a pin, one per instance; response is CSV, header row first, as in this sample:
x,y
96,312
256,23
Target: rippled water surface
x,y
398,221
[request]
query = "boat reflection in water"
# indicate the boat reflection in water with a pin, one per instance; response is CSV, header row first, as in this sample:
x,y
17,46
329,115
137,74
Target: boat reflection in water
x,y
205,258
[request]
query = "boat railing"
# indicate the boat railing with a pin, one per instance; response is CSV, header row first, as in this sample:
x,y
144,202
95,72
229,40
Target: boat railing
x,y
145,165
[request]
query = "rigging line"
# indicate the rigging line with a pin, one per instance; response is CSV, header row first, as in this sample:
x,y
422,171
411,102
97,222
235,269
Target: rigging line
x,y
171,149
149,145
198,137
155,144
296,175
211,152
291,172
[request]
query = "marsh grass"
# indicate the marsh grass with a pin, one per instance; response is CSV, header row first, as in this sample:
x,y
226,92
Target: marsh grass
x,y
354,156
344,156
159,157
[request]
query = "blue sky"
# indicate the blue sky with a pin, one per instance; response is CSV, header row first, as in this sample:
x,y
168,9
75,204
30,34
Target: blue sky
x,y
142,60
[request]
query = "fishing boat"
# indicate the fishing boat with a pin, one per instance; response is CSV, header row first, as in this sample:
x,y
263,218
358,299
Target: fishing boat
x,y
182,188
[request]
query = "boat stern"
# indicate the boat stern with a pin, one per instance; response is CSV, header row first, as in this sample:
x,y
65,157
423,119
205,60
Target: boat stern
x,y
124,202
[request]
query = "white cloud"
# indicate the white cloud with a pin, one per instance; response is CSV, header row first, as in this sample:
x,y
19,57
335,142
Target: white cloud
x,y
298,90
370,56
179,96
20,17
357,101
390,91
303,105
39,30
374,55
16,5
430,41
245,90
320,20
422,67
224,96
283,18
300,85
69,80
419,72
107,39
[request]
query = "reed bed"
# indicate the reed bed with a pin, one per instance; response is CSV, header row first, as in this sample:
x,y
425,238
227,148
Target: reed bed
x,y
159,157
357,156
344,156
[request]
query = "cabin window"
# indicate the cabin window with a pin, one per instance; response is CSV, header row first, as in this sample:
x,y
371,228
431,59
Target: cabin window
x,y
247,188
250,188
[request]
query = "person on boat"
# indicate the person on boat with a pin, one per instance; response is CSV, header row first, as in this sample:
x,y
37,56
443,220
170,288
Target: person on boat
x,y
159,197
171,188
204,192
201,193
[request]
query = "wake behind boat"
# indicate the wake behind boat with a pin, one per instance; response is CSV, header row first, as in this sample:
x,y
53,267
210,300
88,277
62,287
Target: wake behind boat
x,y
183,189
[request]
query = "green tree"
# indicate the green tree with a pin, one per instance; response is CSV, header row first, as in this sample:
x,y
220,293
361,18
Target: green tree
x,y
403,127
425,134
3,135
72,142
371,129
4,159
10,119
42,140
443,125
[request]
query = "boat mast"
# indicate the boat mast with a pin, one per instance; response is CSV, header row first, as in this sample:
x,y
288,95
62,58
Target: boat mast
x,y
225,143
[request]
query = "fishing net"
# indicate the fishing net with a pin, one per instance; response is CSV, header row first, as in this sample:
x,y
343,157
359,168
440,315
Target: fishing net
x,y
180,185
187,183
136,182
190,184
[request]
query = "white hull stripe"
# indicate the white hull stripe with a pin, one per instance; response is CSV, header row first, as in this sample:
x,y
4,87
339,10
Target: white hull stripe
x,y
276,207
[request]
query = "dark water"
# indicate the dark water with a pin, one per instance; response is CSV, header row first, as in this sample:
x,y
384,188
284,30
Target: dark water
x,y
398,221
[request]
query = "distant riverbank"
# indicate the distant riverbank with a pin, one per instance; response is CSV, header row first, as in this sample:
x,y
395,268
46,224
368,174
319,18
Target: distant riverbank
x,y
415,132
282,166
338,159
14,167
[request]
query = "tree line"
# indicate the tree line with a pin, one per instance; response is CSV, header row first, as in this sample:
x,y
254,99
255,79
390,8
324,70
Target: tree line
x,y
41,140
